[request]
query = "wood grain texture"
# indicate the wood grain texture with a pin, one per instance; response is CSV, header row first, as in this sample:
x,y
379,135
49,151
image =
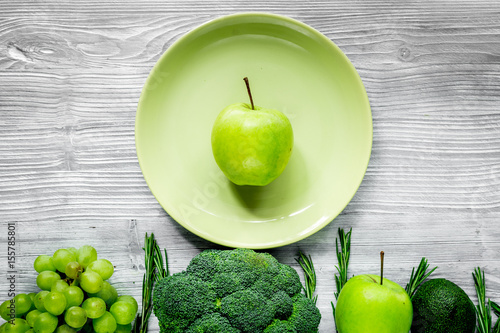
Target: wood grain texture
x,y
71,73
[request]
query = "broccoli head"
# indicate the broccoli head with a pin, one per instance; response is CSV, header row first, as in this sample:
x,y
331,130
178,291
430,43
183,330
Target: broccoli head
x,y
231,291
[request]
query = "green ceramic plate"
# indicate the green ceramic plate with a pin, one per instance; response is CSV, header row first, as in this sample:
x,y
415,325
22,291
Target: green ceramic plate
x,y
292,68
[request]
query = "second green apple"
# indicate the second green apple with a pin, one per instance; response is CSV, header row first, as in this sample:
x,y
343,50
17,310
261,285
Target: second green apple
x,y
372,304
251,144
367,306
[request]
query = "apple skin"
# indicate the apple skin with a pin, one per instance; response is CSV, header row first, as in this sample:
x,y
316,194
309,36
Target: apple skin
x,y
365,306
251,147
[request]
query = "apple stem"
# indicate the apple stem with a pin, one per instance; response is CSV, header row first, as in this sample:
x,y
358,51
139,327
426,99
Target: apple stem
x,y
249,92
381,267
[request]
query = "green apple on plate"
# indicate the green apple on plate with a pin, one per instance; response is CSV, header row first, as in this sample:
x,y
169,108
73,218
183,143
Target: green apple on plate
x,y
372,304
251,144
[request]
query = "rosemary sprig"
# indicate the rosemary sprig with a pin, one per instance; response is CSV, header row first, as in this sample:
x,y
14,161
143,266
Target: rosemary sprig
x,y
343,254
309,275
156,269
418,276
483,309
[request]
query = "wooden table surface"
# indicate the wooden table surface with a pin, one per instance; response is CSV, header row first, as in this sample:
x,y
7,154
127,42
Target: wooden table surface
x,y
71,73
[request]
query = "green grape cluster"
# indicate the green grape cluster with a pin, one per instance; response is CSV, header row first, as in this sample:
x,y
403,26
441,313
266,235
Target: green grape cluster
x,y
75,296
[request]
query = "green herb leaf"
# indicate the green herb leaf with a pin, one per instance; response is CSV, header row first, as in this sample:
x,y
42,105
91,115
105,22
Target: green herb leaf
x,y
343,253
483,309
418,277
496,328
309,275
156,269
496,308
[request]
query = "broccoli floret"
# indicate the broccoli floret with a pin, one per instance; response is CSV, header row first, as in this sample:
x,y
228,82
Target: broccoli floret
x,y
231,291
227,283
283,305
305,316
212,323
209,263
266,286
180,299
284,278
247,310
243,260
288,280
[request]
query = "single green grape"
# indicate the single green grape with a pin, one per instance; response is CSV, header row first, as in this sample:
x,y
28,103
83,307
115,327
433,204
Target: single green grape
x,y
124,312
59,285
105,323
66,329
107,293
130,299
74,296
103,267
2,327
123,328
44,263
17,325
31,317
45,323
45,279
61,258
6,308
91,282
73,270
75,317
39,300
94,306
22,303
85,255
55,303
